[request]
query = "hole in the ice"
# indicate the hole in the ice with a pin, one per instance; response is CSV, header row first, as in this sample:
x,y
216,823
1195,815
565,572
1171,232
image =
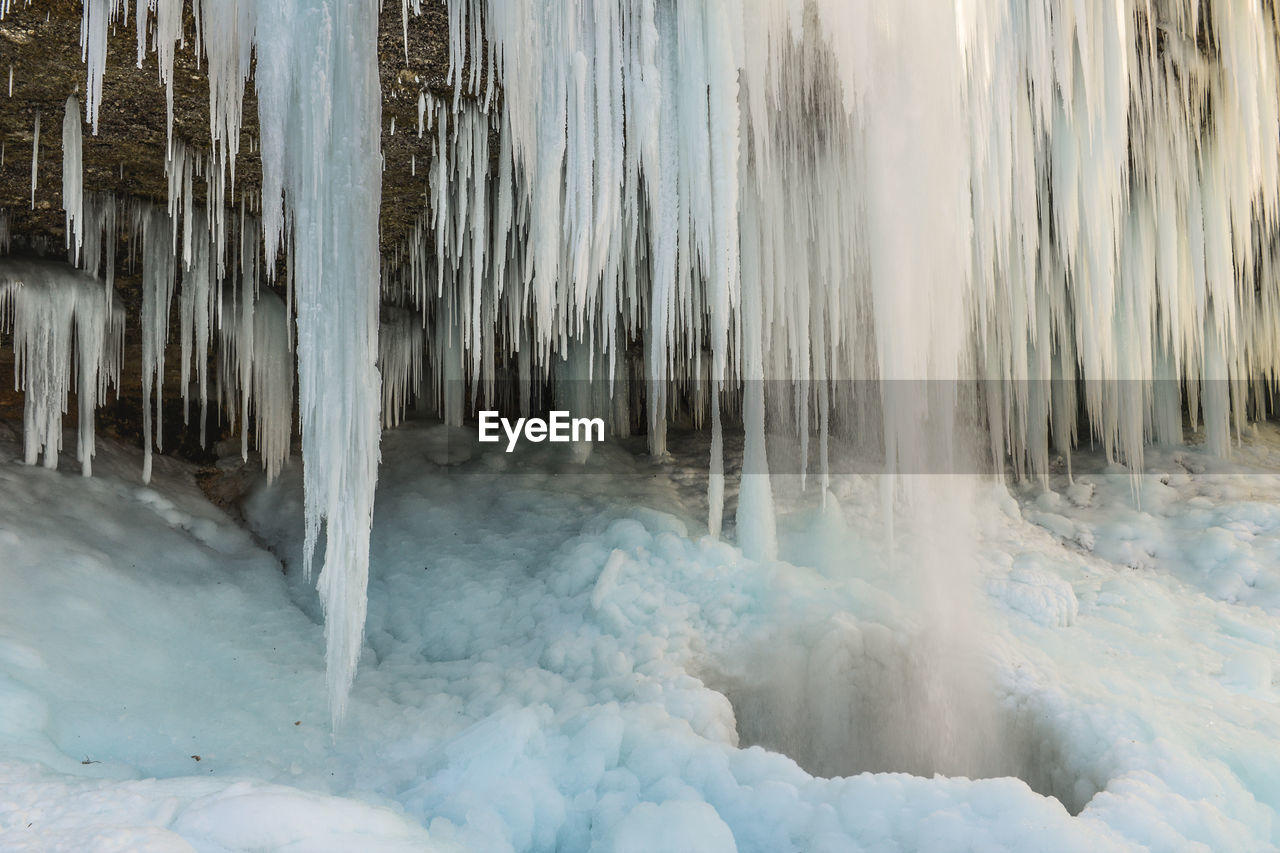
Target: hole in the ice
x,y
863,698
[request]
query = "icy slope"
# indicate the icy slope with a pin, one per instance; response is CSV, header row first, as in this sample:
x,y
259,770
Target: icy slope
x,y
543,643
140,628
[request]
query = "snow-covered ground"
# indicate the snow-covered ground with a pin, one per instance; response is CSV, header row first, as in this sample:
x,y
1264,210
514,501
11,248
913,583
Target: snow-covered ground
x,y
558,658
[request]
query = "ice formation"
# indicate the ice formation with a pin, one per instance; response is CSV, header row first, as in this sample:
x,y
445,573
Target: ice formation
x,y
402,351
35,158
73,177
257,362
56,314
1079,196
158,273
320,200
196,316
1002,212
823,217
317,61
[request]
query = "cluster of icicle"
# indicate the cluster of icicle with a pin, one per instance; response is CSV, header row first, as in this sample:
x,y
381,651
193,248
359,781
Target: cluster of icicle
x,y
1070,205
1012,211
219,252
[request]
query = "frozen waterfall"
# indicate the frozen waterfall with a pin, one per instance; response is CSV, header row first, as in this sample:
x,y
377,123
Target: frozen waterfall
x,y
1056,218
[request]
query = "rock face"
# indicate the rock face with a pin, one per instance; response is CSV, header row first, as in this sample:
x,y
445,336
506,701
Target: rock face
x,y
40,49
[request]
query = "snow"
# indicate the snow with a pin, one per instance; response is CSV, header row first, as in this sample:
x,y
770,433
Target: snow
x,y
557,656
681,826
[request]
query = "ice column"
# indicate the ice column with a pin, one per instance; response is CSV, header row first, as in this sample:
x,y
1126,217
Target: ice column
x,y
59,317
318,61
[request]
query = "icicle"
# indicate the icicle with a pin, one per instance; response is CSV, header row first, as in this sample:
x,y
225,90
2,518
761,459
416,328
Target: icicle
x,y
196,315
320,63
73,178
757,534
872,212
254,360
97,18
57,311
1089,117
404,24
35,158
227,30
157,296
401,349
715,477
